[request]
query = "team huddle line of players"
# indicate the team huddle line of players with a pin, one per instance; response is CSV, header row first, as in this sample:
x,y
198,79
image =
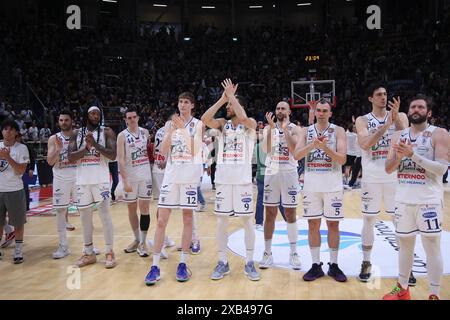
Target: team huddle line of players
x,y
402,167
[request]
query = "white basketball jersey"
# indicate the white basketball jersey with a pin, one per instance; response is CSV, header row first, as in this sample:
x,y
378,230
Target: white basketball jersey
x,y
280,158
321,173
415,184
373,160
93,167
234,154
137,164
63,169
159,157
183,167
353,148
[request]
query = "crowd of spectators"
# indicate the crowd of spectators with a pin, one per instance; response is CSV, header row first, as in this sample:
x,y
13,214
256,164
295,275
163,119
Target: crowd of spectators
x,y
111,68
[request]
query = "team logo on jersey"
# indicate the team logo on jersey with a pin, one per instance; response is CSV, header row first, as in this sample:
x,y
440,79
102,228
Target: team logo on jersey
x,y
427,134
3,165
105,194
429,215
292,193
247,200
191,193
330,130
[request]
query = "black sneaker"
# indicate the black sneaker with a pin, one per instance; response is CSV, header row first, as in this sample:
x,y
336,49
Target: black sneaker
x,y
412,280
336,273
365,273
18,257
314,273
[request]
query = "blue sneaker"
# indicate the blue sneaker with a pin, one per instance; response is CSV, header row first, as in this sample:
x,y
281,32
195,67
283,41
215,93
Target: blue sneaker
x,y
183,273
153,276
195,247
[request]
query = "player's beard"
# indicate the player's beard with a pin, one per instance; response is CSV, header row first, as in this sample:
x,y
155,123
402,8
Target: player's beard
x,y
92,125
281,117
417,120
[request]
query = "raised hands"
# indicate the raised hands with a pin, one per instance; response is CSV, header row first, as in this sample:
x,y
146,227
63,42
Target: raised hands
x,y
270,119
395,107
229,88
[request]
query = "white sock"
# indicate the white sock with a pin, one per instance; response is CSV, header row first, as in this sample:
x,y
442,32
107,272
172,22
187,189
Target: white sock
x,y
143,237
19,244
108,229
315,254
136,235
249,238
367,254
8,228
156,258
89,249
333,255
268,246
61,226
183,257
88,227
432,246
222,237
194,226
405,259
292,235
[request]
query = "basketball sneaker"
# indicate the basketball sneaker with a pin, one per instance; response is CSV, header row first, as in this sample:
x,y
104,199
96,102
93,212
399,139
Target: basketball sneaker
x,y
412,280
365,273
153,276
398,293
69,226
250,271
314,273
61,252
336,273
132,247
195,247
164,254
267,261
201,208
183,273
96,251
85,260
168,242
433,297
9,238
18,257
142,250
220,270
110,261
294,261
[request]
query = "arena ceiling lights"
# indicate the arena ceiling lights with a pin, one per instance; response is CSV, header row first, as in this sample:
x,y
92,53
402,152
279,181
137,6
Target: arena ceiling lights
x,y
112,1
208,7
160,5
255,7
303,4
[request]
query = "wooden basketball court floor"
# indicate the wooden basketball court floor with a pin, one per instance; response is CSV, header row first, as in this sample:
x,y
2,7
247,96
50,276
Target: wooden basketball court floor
x,y
41,277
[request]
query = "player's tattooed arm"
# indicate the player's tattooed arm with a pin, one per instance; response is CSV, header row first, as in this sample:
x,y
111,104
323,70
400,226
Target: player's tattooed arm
x,y
73,153
366,140
208,116
54,147
109,151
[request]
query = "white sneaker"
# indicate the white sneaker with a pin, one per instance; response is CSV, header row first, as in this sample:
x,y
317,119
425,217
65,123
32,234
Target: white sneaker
x,y
164,254
266,261
201,208
142,250
168,242
61,252
69,226
294,261
96,251
259,227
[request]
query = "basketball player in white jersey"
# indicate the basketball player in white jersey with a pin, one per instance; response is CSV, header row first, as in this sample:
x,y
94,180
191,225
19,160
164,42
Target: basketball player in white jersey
x,y
280,181
64,178
325,146
183,143
91,147
375,131
134,168
234,188
419,156
157,178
